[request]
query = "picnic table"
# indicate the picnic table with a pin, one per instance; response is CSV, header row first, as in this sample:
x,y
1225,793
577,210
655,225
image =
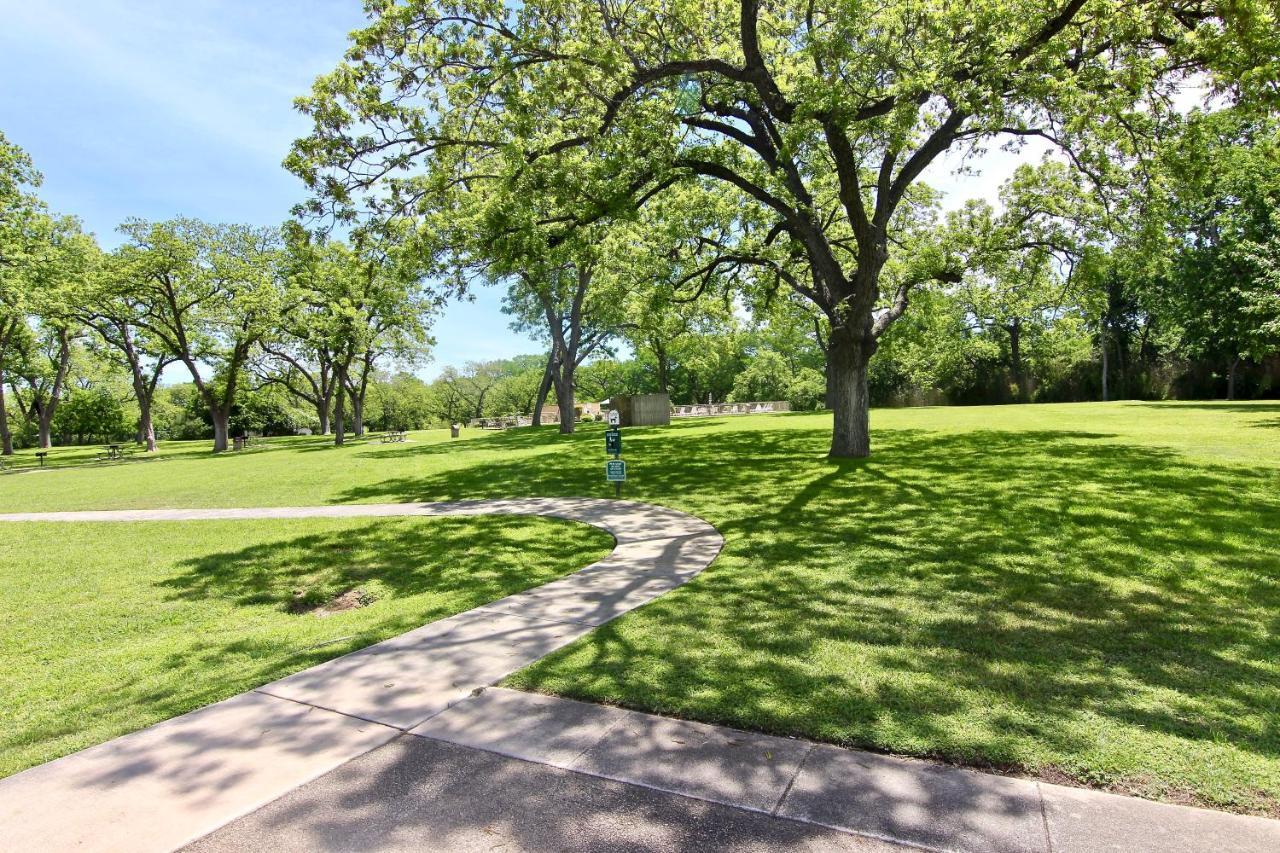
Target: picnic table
x,y
393,437
113,451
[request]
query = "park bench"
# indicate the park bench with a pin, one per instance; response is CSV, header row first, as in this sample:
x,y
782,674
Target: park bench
x,y
110,452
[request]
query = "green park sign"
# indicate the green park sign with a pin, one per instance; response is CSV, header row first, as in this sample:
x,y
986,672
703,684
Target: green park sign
x,y
613,441
615,471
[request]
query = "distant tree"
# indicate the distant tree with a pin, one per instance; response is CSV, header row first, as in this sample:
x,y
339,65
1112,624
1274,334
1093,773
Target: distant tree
x,y
574,305
1019,264
88,413
517,392
352,305
57,276
24,228
604,378
766,377
467,389
210,294
807,389
113,309
176,411
1221,234
401,401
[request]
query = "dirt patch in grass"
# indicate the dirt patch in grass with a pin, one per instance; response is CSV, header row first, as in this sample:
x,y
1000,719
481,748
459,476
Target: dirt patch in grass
x,y
1259,805
352,599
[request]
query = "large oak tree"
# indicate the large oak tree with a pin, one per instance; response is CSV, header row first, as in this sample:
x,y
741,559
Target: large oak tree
x,y
821,115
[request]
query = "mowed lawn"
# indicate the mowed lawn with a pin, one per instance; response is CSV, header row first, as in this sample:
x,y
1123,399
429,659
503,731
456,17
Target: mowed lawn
x,y
1083,592
110,627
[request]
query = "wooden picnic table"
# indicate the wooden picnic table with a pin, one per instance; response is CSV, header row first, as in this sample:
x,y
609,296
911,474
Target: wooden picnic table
x,y
393,436
114,451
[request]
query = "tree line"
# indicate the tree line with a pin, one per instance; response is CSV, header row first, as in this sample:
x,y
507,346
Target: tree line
x,y
234,307
725,200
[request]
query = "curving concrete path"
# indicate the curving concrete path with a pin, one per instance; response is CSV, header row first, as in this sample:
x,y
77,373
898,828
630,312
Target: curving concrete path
x,y
176,781
405,745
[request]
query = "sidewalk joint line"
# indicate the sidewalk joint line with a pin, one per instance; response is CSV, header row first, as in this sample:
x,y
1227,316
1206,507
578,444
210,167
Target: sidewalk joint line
x,y
261,692
1044,817
573,765
794,776
488,609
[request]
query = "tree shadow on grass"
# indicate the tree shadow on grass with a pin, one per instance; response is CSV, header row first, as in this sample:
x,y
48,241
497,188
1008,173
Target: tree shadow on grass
x,y
1258,407
475,558
1003,598
423,569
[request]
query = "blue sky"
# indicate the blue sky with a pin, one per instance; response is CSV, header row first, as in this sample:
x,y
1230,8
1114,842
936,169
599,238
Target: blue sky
x,y
156,108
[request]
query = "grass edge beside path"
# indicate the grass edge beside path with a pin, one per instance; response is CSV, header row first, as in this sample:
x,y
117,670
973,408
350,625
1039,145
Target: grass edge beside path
x,y
131,623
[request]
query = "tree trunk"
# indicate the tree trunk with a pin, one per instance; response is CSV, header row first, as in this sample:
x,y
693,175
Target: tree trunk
x,y
664,366
1231,378
340,416
145,426
44,423
564,399
847,366
356,392
46,412
1102,340
221,427
143,390
1015,361
544,388
357,415
146,431
6,437
322,414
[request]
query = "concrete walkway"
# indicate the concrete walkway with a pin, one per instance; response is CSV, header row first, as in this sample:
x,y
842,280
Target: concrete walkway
x,y
380,749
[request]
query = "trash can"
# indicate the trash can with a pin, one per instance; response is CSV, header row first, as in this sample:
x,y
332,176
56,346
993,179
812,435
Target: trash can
x,y
237,444
454,430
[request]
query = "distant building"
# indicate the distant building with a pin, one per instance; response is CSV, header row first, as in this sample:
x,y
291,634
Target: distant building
x,y
643,409
551,414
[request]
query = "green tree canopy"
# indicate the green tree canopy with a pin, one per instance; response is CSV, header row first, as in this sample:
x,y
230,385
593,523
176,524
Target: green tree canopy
x,y
813,114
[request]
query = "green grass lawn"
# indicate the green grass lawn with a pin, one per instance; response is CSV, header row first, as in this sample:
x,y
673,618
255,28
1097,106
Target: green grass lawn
x,y
1085,592
110,627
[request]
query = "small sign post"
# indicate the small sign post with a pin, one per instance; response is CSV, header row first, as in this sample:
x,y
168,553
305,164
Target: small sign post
x,y
615,470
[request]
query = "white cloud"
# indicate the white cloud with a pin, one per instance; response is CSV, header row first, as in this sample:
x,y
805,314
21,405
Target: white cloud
x,y
207,69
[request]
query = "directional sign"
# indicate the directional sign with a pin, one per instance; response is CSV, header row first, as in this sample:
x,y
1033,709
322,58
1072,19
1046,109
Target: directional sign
x,y
613,441
615,471
615,417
